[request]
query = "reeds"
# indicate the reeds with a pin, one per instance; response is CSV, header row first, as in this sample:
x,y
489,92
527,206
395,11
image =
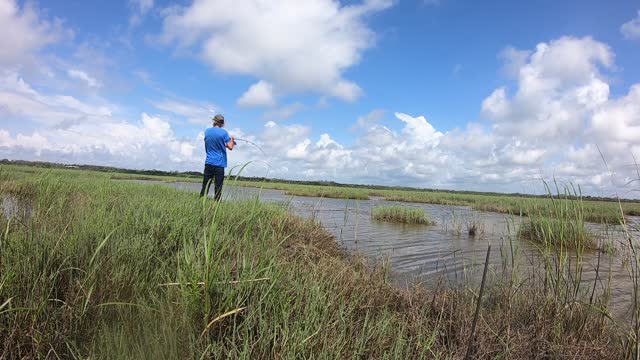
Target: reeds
x,y
568,233
558,222
401,214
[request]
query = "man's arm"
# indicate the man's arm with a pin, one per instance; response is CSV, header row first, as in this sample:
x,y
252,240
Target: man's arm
x,y
231,143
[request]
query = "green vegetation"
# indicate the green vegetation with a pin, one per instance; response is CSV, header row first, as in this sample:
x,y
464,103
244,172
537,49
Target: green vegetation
x,y
594,211
109,269
401,214
558,222
567,233
597,210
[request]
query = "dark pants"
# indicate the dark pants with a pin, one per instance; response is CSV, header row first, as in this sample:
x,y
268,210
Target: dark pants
x,y
217,174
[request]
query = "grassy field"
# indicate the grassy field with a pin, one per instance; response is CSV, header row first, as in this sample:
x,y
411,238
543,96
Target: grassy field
x,y
401,214
94,268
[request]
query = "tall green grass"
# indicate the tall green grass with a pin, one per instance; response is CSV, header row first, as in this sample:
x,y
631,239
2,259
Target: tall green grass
x,y
559,222
106,269
568,233
401,214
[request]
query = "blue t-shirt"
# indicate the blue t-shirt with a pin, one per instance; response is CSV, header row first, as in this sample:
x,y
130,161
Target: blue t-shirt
x,y
215,139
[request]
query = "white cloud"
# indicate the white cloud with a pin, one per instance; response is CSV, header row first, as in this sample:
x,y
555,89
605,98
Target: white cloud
x,y
364,122
72,130
198,113
346,90
258,95
24,33
618,121
558,84
631,29
553,126
19,100
295,45
418,130
553,120
151,143
561,113
81,75
514,59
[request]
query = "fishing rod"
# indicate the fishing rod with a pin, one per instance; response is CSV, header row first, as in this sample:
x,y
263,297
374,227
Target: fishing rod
x,y
252,143
245,140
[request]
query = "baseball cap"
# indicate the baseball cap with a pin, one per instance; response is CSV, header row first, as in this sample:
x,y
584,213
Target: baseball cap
x,y
219,118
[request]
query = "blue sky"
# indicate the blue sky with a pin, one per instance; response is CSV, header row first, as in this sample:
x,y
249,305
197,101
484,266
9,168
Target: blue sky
x,y
491,95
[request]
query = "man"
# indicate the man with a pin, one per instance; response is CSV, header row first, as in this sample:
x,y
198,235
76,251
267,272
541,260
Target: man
x,y
216,143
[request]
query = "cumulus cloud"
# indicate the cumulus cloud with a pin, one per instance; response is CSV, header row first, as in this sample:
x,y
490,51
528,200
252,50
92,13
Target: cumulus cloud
x,y
73,130
258,95
554,118
615,127
151,143
297,46
631,29
558,86
25,32
555,123
561,114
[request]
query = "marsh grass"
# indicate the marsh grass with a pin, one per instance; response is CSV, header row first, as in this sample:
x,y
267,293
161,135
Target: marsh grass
x,y
336,193
593,211
401,214
475,227
609,212
568,233
559,222
87,274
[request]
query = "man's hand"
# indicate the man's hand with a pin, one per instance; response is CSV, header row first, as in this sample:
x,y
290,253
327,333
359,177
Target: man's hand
x,y
231,142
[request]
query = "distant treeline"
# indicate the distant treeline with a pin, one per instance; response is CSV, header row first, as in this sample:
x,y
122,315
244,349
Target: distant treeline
x,y
196,174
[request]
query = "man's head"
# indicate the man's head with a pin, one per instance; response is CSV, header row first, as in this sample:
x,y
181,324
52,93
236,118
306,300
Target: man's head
x,y
218,120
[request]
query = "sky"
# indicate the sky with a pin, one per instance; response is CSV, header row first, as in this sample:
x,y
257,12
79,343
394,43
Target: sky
x,y
493,95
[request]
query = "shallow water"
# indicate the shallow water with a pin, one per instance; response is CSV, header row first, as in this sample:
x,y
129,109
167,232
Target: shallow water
x,y
427,254
14,208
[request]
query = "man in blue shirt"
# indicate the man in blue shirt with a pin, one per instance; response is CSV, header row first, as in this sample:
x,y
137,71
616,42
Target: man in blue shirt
x,y
216,143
